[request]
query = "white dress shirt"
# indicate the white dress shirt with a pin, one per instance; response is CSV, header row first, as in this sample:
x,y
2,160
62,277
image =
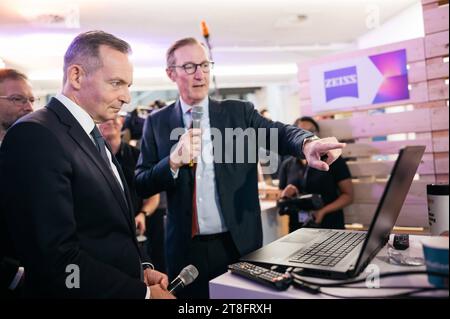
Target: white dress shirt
x,y
87,123
210,218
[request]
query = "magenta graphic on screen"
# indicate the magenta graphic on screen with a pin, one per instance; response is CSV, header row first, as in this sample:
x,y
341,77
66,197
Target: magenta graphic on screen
x,y
343,82
392,66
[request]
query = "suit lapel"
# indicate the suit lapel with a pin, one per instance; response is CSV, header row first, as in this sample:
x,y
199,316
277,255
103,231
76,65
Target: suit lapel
x,y
216,119
80,137
122,178
127,197
126,191
175,121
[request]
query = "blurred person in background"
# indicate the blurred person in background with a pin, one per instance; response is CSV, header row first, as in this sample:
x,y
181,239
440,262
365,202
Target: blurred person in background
x,y
133,127
16,98
16,101
335,185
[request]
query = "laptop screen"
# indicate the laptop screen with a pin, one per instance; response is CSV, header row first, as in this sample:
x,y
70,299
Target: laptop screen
x,y
391,203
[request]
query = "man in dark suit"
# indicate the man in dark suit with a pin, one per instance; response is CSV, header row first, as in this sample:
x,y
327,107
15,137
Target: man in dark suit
x,y
16,100
145,209
213,207
66,203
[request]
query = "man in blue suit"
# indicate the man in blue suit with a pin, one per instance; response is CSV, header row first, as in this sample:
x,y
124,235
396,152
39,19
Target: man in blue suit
x,y
213,207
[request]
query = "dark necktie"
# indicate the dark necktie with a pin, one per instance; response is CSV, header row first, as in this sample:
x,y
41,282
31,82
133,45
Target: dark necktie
x,y
101,147
100,143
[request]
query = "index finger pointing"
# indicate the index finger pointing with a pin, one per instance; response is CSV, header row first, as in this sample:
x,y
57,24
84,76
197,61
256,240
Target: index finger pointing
x,y
323,147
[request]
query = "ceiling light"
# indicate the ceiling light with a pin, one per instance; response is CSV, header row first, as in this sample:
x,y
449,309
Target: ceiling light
x,y
301,18
57,15
291,21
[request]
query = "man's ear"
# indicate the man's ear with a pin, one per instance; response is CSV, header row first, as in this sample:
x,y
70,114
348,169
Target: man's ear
x,y
75,75
171,74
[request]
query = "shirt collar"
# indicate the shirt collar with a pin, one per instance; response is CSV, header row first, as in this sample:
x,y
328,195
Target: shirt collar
x,y
185,107
85,120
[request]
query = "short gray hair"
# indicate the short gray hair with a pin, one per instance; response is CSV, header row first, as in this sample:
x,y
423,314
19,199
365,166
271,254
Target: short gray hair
x,y
84,50
170,58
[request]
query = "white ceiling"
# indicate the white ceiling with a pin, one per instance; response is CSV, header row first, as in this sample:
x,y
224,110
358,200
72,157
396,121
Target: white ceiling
x,y
263,34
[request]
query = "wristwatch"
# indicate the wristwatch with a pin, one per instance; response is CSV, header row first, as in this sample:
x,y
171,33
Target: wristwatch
x,y
310,139
307,140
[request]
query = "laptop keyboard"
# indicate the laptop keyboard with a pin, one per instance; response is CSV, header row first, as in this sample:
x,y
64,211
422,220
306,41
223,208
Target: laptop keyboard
x,y
330,251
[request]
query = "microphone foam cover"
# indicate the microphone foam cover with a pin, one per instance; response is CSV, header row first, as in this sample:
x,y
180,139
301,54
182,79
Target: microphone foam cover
x,y
188,274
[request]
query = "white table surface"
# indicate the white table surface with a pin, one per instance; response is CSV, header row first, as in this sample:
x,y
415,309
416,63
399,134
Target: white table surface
x,y
231,286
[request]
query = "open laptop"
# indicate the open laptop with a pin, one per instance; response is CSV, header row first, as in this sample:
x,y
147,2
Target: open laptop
x,y
341,253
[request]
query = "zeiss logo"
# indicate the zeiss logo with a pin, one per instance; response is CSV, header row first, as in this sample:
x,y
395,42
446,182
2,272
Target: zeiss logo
x,y
341,83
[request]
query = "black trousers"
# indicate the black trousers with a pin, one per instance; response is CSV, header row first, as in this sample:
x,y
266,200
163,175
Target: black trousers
x,y
210,254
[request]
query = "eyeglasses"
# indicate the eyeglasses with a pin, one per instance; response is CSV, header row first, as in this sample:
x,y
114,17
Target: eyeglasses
x,y
191,68
20,100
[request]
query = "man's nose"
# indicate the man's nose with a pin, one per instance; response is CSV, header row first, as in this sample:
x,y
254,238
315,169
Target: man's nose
x,y
126,96
199,74
28,107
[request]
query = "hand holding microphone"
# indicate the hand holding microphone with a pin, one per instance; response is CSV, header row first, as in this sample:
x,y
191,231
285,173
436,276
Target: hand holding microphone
x,y
158,283
189,145
187,149
186,277
153,277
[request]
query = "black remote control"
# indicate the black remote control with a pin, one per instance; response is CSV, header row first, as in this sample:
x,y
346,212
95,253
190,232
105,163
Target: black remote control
x,y
274,279
401,241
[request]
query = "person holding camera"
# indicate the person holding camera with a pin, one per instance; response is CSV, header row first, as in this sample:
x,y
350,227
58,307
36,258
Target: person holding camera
x,y
334,186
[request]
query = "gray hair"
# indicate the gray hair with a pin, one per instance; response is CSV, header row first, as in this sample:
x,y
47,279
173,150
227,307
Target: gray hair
x,y
170,58
84,50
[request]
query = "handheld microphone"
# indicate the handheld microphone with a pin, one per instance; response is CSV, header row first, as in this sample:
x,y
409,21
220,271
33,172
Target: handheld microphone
x,y
186,277
196,113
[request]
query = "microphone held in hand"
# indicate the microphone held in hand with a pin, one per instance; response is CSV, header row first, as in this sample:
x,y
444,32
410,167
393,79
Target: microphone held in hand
x,y
196,113
186,277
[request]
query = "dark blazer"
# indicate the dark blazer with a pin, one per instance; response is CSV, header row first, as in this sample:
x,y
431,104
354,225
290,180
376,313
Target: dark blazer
x,y
64,207
236,183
